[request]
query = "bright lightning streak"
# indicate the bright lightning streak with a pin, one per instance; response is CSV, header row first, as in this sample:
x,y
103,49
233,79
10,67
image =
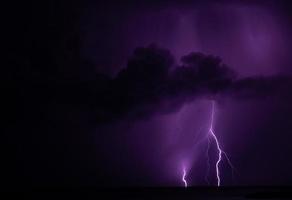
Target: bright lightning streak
x,y
184,177
219,158
220,151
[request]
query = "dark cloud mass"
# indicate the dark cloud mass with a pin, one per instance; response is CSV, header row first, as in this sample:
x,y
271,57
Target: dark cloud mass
x,y
152,82
261,87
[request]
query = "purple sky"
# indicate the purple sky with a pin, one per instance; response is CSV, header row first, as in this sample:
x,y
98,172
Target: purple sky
x,y
251,38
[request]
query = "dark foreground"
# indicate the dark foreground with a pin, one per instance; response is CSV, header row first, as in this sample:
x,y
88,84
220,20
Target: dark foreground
x,y
234,193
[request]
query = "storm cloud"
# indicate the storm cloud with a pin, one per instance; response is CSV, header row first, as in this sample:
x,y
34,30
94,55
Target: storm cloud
x,y
153,83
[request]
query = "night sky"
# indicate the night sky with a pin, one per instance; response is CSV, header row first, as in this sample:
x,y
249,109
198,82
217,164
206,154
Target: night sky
x,y
121,94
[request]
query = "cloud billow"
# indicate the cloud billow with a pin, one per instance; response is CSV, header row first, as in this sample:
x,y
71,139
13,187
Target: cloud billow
x,y
152,82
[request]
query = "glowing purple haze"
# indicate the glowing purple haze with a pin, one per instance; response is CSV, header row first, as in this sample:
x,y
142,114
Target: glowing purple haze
x,y
184,177
248,37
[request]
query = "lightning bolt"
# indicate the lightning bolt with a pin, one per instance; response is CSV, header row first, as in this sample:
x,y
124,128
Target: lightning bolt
x,y
219,150
184,177
221,153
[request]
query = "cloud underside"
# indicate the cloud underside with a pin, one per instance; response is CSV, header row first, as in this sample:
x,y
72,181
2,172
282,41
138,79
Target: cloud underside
x,y
152,82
